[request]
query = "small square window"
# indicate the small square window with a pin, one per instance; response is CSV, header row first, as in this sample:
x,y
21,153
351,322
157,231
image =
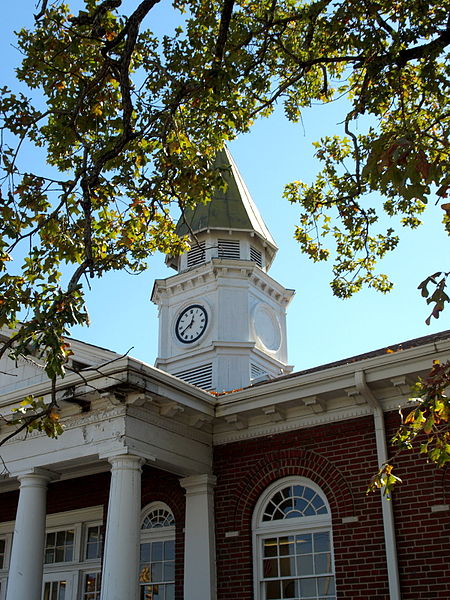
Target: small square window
x,y
91,586
94,542
59,546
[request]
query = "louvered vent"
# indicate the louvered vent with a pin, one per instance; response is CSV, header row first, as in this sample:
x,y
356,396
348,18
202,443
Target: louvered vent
x,y
256,371
200,376
196,256
229,249
256,256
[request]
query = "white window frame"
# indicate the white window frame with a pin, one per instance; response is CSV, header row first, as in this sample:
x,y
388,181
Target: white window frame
x,y
79,520
262,530
81,575
84,538
157,534
64,564
69,575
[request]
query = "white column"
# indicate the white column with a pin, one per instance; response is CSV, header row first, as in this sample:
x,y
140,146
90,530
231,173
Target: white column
x,y
121,559
199,545
27,554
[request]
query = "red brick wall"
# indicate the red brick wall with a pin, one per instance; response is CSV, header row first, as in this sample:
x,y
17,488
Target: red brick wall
x,y
340,458
423,537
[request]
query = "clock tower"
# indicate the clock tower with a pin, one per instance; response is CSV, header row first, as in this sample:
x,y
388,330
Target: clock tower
x,y
222,318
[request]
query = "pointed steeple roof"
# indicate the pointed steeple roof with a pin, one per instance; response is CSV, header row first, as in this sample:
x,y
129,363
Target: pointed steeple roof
x,y
229,210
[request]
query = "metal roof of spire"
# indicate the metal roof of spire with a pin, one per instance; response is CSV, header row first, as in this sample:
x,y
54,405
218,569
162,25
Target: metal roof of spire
x,y
231,210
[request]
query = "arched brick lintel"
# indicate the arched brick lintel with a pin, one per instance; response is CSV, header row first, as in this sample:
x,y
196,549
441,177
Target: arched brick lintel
x,y
297,462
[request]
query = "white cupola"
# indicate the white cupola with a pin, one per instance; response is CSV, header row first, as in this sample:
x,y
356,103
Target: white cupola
x,y
222,318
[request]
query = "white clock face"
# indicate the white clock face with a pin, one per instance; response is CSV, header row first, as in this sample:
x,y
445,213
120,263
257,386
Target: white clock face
x,y
267,327
191,324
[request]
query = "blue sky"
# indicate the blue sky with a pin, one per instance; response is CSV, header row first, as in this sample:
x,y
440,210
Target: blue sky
x,y
321,328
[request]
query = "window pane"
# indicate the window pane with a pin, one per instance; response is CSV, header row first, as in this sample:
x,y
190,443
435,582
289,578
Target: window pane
x,y
145,552
286,506
146,592
326,586
322,542
158,593
270,567
144,575
157,551
300,506
157,572
288,587
169,550
287,545
59,555
304,543
305,565
270,547
319,505
287,566
308,588
169,571
322,563
273,590
62,590
309,493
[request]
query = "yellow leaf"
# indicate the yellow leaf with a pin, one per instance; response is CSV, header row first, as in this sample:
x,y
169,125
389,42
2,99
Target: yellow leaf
x,y
53,416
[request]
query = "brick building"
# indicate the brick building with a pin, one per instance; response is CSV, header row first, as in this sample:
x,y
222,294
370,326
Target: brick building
x,y
160,489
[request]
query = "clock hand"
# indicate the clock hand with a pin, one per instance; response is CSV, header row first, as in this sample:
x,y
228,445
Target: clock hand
x,y
188,326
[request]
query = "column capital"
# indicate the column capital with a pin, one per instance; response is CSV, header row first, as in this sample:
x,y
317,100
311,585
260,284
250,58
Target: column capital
x,y
126,461
198,484
36,476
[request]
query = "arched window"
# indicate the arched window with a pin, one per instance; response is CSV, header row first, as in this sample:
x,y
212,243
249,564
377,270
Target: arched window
x,y
157,558
292,541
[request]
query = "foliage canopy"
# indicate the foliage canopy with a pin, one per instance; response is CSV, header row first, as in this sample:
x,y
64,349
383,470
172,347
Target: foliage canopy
x,y
128,124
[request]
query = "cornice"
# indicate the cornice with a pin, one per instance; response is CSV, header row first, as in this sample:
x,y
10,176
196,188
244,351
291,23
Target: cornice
x,y
275,427
411,361
216,269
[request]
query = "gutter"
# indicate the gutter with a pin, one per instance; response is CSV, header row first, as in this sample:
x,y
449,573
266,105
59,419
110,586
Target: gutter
x,y
386,505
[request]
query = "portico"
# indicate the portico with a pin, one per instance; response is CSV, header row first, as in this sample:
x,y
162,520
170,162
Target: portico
x,y
126,427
